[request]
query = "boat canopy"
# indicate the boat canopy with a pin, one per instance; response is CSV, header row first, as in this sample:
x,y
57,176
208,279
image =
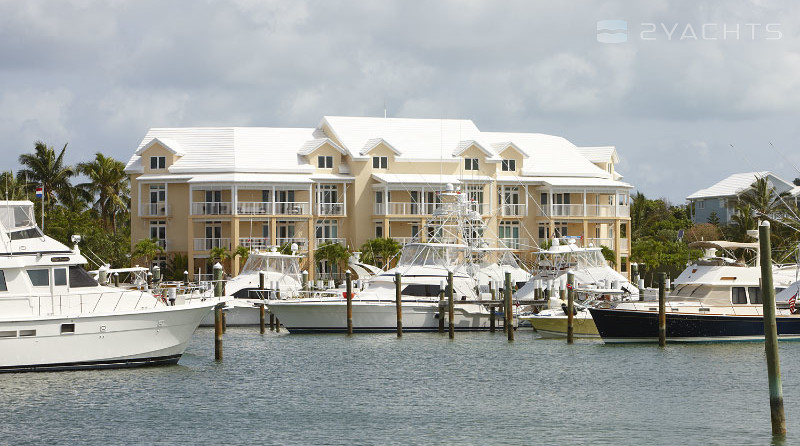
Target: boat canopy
x,y
722,244
282,264
433,254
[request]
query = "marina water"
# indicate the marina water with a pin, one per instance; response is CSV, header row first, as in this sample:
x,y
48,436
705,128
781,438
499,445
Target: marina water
x,y
420,389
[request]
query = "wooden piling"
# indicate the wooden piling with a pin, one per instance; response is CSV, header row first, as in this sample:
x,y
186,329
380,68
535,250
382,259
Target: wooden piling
x,y
349,303
570,307
441,311
277,325
261,317
450,306
271,322
116,279
398,303
224,323
509,313
771,332
218,313
662,309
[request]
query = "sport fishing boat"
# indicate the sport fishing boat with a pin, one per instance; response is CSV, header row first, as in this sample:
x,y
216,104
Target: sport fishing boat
x,y
282,279
55,316
454,232
716,299
596,283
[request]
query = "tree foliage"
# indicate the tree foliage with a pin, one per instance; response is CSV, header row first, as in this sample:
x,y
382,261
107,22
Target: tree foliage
x,y
379,251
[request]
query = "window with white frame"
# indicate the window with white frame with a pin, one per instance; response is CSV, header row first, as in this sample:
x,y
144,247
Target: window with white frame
x,y
509,165
470,163
701,204
475,197
327,230
380,162
509,233
325,162
378,230
158,232
158,162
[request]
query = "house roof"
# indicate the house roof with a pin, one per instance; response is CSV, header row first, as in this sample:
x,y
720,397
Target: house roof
x,y
601,154
734,185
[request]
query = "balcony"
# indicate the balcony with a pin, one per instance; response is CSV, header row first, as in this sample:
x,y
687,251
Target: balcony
x,y
404,208
292,208
260,243
211,208
514,243
330,209
592,210
154,209
254,207
324,240
302,243
206,244
513,210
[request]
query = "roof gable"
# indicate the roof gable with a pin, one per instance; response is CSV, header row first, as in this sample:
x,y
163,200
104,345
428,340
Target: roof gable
x,y
169,144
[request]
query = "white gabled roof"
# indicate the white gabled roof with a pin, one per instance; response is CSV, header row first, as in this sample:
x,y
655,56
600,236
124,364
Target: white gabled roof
x,y
731,186
168,143
602,154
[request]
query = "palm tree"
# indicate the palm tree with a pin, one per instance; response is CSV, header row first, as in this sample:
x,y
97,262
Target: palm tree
x,y
147,248
44,168
764,201
109,184
333,253
242,253
741,222
638,213
11,188
218,254
378,250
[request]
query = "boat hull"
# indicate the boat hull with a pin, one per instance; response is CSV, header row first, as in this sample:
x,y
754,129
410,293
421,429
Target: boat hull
x,y
556,325
136,338
238,313
633,326
331,317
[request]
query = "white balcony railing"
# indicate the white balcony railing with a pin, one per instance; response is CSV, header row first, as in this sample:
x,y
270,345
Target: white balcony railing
x,y
211,208
597,242
325,240
405,240
205,244
334,209
591,210
154,209
515,243
513,210
260,243
480,208
254,207
292,208
302,242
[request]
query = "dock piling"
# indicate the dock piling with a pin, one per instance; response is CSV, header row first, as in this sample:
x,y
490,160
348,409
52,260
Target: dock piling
x,y
398,303
450,306
662,309
570,307
777,414
349,303
441,307
218,312
509,312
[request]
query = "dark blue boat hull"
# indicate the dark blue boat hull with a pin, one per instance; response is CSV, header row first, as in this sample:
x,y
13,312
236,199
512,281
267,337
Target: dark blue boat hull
x,y
631,326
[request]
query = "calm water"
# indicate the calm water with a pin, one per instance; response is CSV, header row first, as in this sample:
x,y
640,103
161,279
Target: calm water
x,y
424,388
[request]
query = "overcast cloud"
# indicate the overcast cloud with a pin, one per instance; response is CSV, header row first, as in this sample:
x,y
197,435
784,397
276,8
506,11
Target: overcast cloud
x,y
99,74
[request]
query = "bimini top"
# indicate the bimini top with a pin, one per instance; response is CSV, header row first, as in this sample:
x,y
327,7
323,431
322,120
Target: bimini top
x,y
723,244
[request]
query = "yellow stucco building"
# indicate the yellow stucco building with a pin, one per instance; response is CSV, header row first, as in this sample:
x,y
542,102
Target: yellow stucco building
x,y
352,178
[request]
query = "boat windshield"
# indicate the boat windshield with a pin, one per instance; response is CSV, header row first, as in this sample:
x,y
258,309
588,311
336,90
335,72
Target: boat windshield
x,y
432,255
571,260
281,265
18,220
495,257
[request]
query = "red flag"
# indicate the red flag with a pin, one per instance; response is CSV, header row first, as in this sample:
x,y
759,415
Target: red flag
x,y
792,301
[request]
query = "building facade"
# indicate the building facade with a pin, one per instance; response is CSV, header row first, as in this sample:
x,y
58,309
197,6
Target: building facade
x,y
351,179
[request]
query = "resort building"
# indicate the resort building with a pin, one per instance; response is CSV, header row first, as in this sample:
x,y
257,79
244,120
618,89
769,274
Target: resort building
x,y
722,198
352,179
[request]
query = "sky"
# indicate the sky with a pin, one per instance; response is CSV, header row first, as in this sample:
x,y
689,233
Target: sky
x,y
689,92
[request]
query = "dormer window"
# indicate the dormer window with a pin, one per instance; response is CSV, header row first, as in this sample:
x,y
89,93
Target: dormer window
x,y
158,162
325,162
470,163
509,165
380,162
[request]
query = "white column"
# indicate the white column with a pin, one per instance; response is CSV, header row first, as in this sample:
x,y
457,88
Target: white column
x,y
525,188
584,204
234,199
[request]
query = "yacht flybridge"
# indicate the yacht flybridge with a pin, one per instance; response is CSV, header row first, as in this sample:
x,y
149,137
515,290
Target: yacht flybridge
x,y
55,316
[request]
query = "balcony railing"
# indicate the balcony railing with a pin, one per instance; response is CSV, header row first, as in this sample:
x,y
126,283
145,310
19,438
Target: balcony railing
x,y
292,208
302,242
260,243
513,210
211,208
405,240
592,210
324,240
333,209
154,209
254,207
514,243
205,244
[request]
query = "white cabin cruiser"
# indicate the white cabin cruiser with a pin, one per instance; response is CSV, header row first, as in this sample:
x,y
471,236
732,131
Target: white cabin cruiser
x,y
55,316
454,232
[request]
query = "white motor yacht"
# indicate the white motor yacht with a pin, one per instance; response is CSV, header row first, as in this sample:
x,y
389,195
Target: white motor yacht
x,y
55,316
454,232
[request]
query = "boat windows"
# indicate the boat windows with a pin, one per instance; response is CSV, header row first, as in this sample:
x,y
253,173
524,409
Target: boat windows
x,y
25,234
67,328
421,290
60,276
738,295
3,286
755,294
39,277
78,278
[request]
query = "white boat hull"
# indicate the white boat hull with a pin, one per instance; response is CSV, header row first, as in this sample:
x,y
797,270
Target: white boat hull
x,y
322,317
134,338
238,312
